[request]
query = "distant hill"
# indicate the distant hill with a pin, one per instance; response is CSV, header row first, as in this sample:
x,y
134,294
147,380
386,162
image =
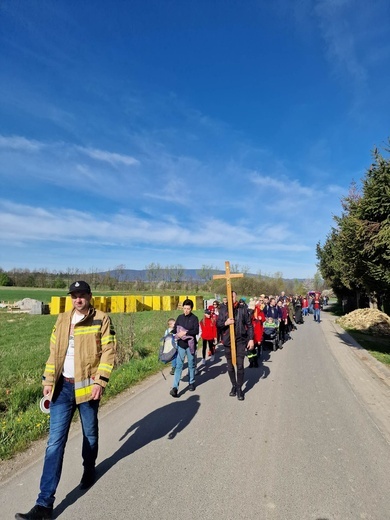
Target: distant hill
x,y
133,275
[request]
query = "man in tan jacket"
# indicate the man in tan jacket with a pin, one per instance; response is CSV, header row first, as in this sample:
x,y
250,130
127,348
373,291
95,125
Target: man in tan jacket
x,y
82,352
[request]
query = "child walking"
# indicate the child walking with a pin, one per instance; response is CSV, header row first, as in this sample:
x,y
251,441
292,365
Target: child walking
x,y
208,329
170,325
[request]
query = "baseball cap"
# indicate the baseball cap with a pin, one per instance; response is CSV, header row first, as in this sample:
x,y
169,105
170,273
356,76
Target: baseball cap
x,y
80,286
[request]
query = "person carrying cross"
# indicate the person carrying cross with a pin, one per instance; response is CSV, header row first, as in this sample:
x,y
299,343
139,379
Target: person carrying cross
x,y
243,331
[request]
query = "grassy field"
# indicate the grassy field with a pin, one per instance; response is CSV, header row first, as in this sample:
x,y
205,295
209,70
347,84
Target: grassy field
x,y
24,348
13,294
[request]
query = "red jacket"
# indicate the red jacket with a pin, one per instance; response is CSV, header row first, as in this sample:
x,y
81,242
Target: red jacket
x,y
258,318
316,304
208,328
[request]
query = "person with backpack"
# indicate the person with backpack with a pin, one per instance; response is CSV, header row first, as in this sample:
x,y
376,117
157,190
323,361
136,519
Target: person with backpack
x,y
171,324
185,330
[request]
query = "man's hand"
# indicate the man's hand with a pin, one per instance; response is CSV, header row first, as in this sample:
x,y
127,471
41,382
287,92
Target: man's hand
x,y
47,390
97,391
251,344
229,321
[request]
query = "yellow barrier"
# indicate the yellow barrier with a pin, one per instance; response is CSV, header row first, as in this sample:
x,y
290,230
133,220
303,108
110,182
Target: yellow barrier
x,y
118,304
57,304
170,303
197,300
148,303
129,303
104,302
157,303
68,304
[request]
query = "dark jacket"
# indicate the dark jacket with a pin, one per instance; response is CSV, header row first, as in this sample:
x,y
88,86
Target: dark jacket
x,y
191,324
243,328
274,312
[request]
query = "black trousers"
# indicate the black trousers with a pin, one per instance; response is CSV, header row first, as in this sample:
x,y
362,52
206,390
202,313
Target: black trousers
x,y
236,374
210,344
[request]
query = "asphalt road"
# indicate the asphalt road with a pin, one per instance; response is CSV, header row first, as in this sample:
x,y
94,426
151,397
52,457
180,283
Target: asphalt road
x,y
311,441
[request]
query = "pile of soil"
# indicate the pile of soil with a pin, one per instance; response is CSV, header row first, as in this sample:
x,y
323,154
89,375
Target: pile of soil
x,y
370,321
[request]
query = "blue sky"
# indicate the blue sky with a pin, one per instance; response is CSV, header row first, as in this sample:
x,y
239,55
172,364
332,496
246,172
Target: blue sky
x,y
185,132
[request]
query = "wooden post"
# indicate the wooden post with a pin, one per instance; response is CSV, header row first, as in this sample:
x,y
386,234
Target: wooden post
x,y
228,275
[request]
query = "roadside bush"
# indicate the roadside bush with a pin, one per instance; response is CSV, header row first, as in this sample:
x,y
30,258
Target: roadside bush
x,y
5,280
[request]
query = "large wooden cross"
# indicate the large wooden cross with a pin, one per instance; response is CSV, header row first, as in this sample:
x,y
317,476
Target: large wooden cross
x,y
228,275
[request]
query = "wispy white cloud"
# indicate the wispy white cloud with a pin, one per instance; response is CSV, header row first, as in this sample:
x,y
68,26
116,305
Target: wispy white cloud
x,y
20,143
35,224
336,20
109,157
282,185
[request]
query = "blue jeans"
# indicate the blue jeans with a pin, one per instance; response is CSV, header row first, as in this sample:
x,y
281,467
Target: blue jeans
x,y
317,314
181,354
62,408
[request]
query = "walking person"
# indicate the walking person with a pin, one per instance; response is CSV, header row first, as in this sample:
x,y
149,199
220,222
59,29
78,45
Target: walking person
x,y
208,332
243,330
283,323
82,352
186,329
305,306
258,320
168,330
317,307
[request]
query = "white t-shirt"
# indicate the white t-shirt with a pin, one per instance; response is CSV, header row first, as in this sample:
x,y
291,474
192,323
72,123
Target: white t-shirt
x,y
68,370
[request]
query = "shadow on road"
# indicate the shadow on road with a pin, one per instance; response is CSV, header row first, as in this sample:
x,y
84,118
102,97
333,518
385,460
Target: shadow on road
x,y
212,371
168,420
253,375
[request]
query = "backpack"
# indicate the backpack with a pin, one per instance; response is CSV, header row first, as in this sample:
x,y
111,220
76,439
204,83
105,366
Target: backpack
x,y
168,348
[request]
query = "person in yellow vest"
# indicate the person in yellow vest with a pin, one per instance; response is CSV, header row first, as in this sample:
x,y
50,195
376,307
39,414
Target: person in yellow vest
x,y
82,353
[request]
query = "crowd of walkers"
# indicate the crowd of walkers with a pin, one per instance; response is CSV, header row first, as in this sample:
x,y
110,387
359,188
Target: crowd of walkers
x,y
261,319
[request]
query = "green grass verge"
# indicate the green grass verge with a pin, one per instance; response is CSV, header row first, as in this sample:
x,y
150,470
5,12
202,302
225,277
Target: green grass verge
x,y
377,346
24,348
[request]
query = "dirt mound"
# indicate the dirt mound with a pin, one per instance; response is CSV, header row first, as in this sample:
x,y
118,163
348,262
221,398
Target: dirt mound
x,y
370,321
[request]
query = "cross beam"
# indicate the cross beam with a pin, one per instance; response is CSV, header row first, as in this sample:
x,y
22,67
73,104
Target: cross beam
x,y
228,276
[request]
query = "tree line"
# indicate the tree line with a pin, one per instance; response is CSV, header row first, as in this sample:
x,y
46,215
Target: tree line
x,y
355,258
170,278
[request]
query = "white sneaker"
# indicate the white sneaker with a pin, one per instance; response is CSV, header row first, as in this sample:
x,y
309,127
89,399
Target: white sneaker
x,y
212,358
203,362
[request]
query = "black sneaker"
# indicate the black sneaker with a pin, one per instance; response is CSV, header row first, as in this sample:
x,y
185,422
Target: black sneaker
x,y
191,387
172,371
36,513
173,392
88,478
